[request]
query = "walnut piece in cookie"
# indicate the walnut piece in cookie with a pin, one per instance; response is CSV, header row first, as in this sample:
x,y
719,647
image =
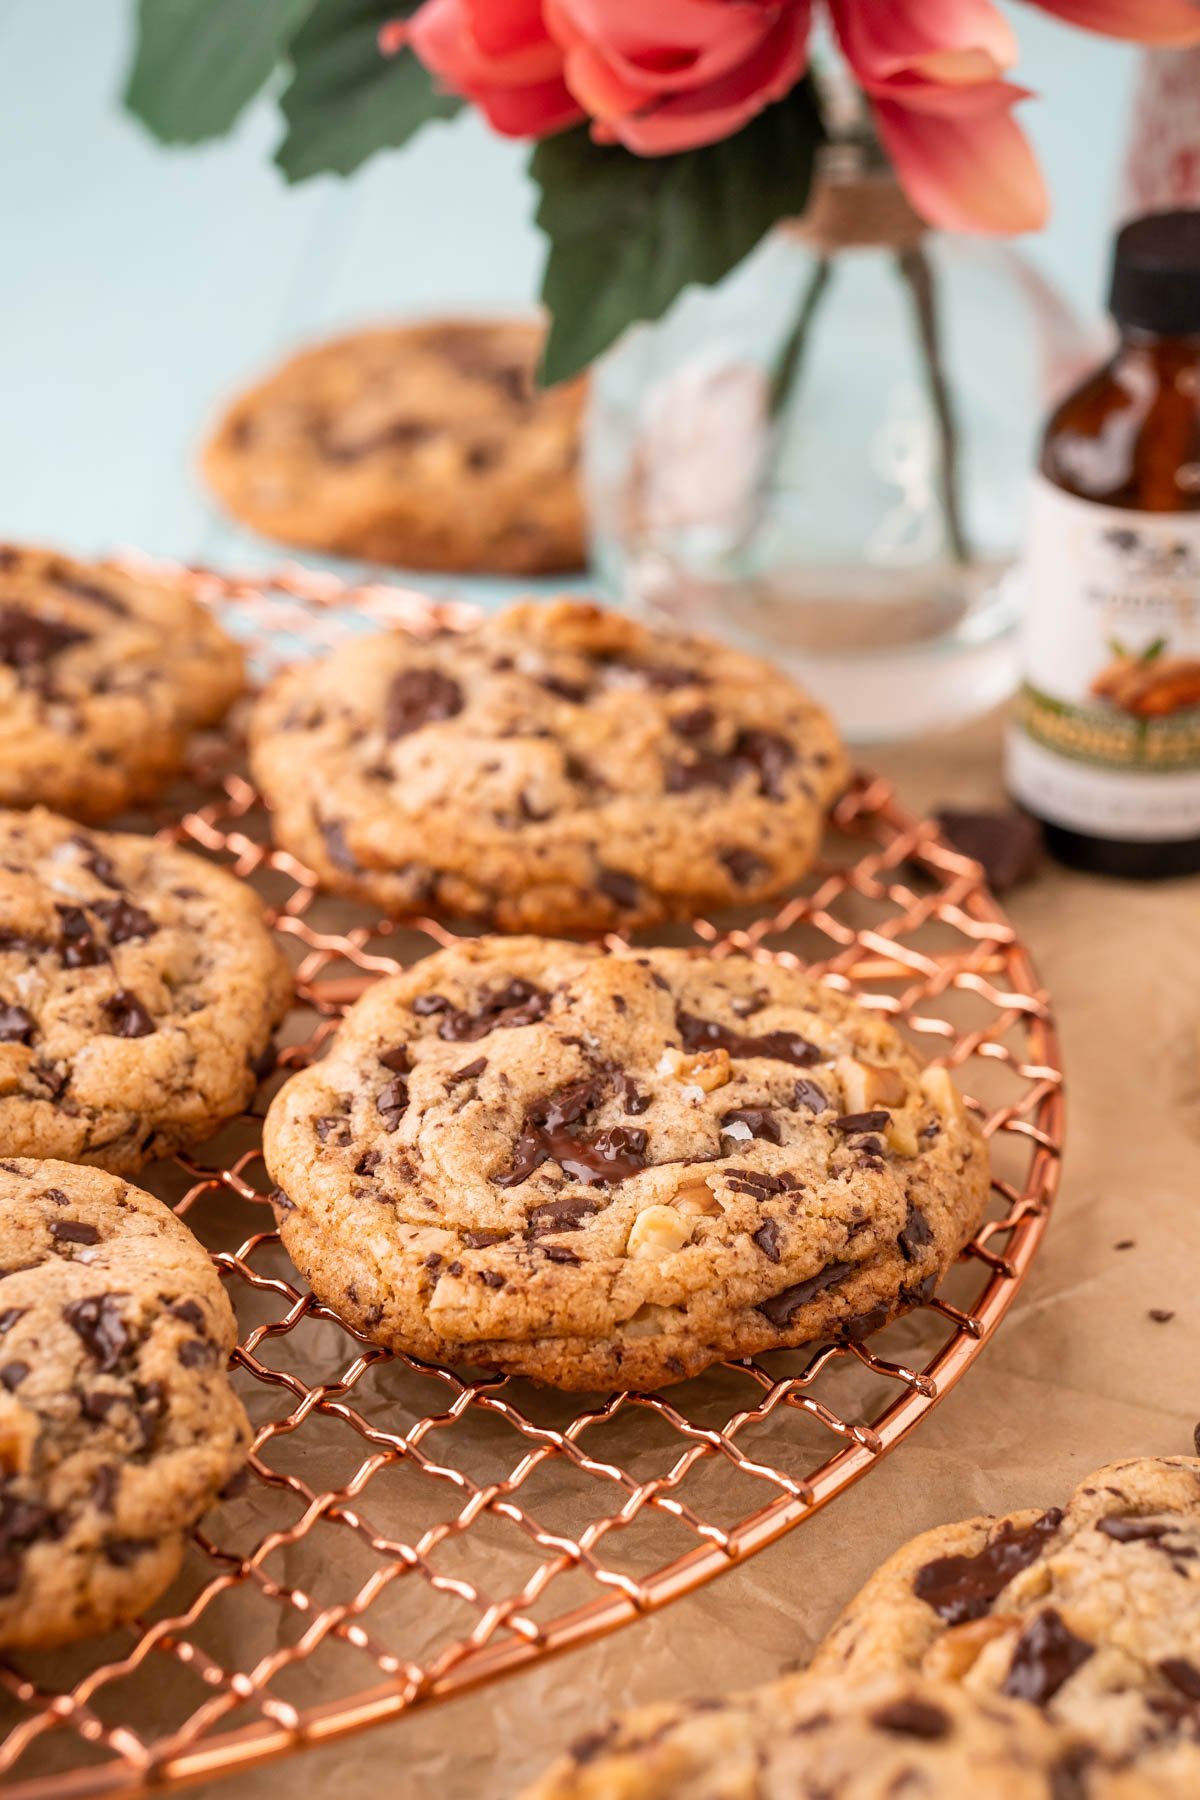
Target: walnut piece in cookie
x,y
1090,1612
118,1423
557,768
139,988
426,446
614,1169
893,1735
105,674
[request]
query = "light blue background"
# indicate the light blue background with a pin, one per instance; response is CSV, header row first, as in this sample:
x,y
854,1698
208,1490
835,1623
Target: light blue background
x,y
138,285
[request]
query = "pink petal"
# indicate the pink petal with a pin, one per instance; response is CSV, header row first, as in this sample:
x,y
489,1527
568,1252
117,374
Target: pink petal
x,y
531,112
521,94
442,35
949,100
1145,21
965,171
667,45
721,107
943,40
506,28
392,37
597,86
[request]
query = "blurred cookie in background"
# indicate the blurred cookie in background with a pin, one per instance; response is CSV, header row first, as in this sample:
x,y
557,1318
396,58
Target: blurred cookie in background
x,y
1042,1654
1090,1611
424,446
891,1738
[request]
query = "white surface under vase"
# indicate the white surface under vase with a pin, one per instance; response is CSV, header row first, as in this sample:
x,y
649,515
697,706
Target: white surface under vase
x,y
826,457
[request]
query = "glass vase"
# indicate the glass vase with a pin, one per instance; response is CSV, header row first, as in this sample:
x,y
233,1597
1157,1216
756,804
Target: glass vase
x,y
825,458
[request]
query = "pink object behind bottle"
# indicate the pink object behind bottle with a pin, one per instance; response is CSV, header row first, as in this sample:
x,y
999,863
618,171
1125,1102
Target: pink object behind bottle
x,y
1162,165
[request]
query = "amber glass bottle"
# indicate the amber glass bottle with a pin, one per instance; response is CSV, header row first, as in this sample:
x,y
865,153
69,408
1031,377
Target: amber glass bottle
x,y
1105,742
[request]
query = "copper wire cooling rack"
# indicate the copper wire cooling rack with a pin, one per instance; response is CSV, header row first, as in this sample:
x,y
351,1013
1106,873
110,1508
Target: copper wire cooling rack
x,y
409,1532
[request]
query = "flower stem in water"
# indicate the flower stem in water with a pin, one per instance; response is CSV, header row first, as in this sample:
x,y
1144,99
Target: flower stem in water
x,y
787,366
916,271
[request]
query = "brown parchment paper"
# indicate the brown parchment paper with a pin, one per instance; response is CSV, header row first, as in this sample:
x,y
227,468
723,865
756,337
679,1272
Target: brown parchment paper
x,y
1077,1375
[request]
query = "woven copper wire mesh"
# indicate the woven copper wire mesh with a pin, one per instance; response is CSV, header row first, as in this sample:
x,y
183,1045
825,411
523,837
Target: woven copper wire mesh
x,y
408,1532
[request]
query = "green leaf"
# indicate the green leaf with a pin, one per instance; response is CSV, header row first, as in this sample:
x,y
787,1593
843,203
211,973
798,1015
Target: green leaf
x,y
346,100
198,62
629,233
1153,650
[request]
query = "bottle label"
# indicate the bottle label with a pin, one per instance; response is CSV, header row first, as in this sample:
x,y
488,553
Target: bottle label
x,y
1106,731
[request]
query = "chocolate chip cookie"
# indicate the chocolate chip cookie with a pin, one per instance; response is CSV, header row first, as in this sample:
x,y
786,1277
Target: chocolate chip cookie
x,y
558,768
612,1170
104,675
139,988
891,1736
425,446
118,1424
1091,1613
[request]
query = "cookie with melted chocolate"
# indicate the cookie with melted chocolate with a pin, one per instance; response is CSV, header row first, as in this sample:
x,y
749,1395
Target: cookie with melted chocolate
x,y
611,1170
1090,1612
558,768
104,676
139,988
118,1423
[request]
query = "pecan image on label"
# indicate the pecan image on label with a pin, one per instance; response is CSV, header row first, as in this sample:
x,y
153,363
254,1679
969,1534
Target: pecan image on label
x,y
1150,685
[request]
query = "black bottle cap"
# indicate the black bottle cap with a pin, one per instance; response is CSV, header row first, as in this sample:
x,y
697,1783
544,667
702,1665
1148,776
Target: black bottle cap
x,y
1156,274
